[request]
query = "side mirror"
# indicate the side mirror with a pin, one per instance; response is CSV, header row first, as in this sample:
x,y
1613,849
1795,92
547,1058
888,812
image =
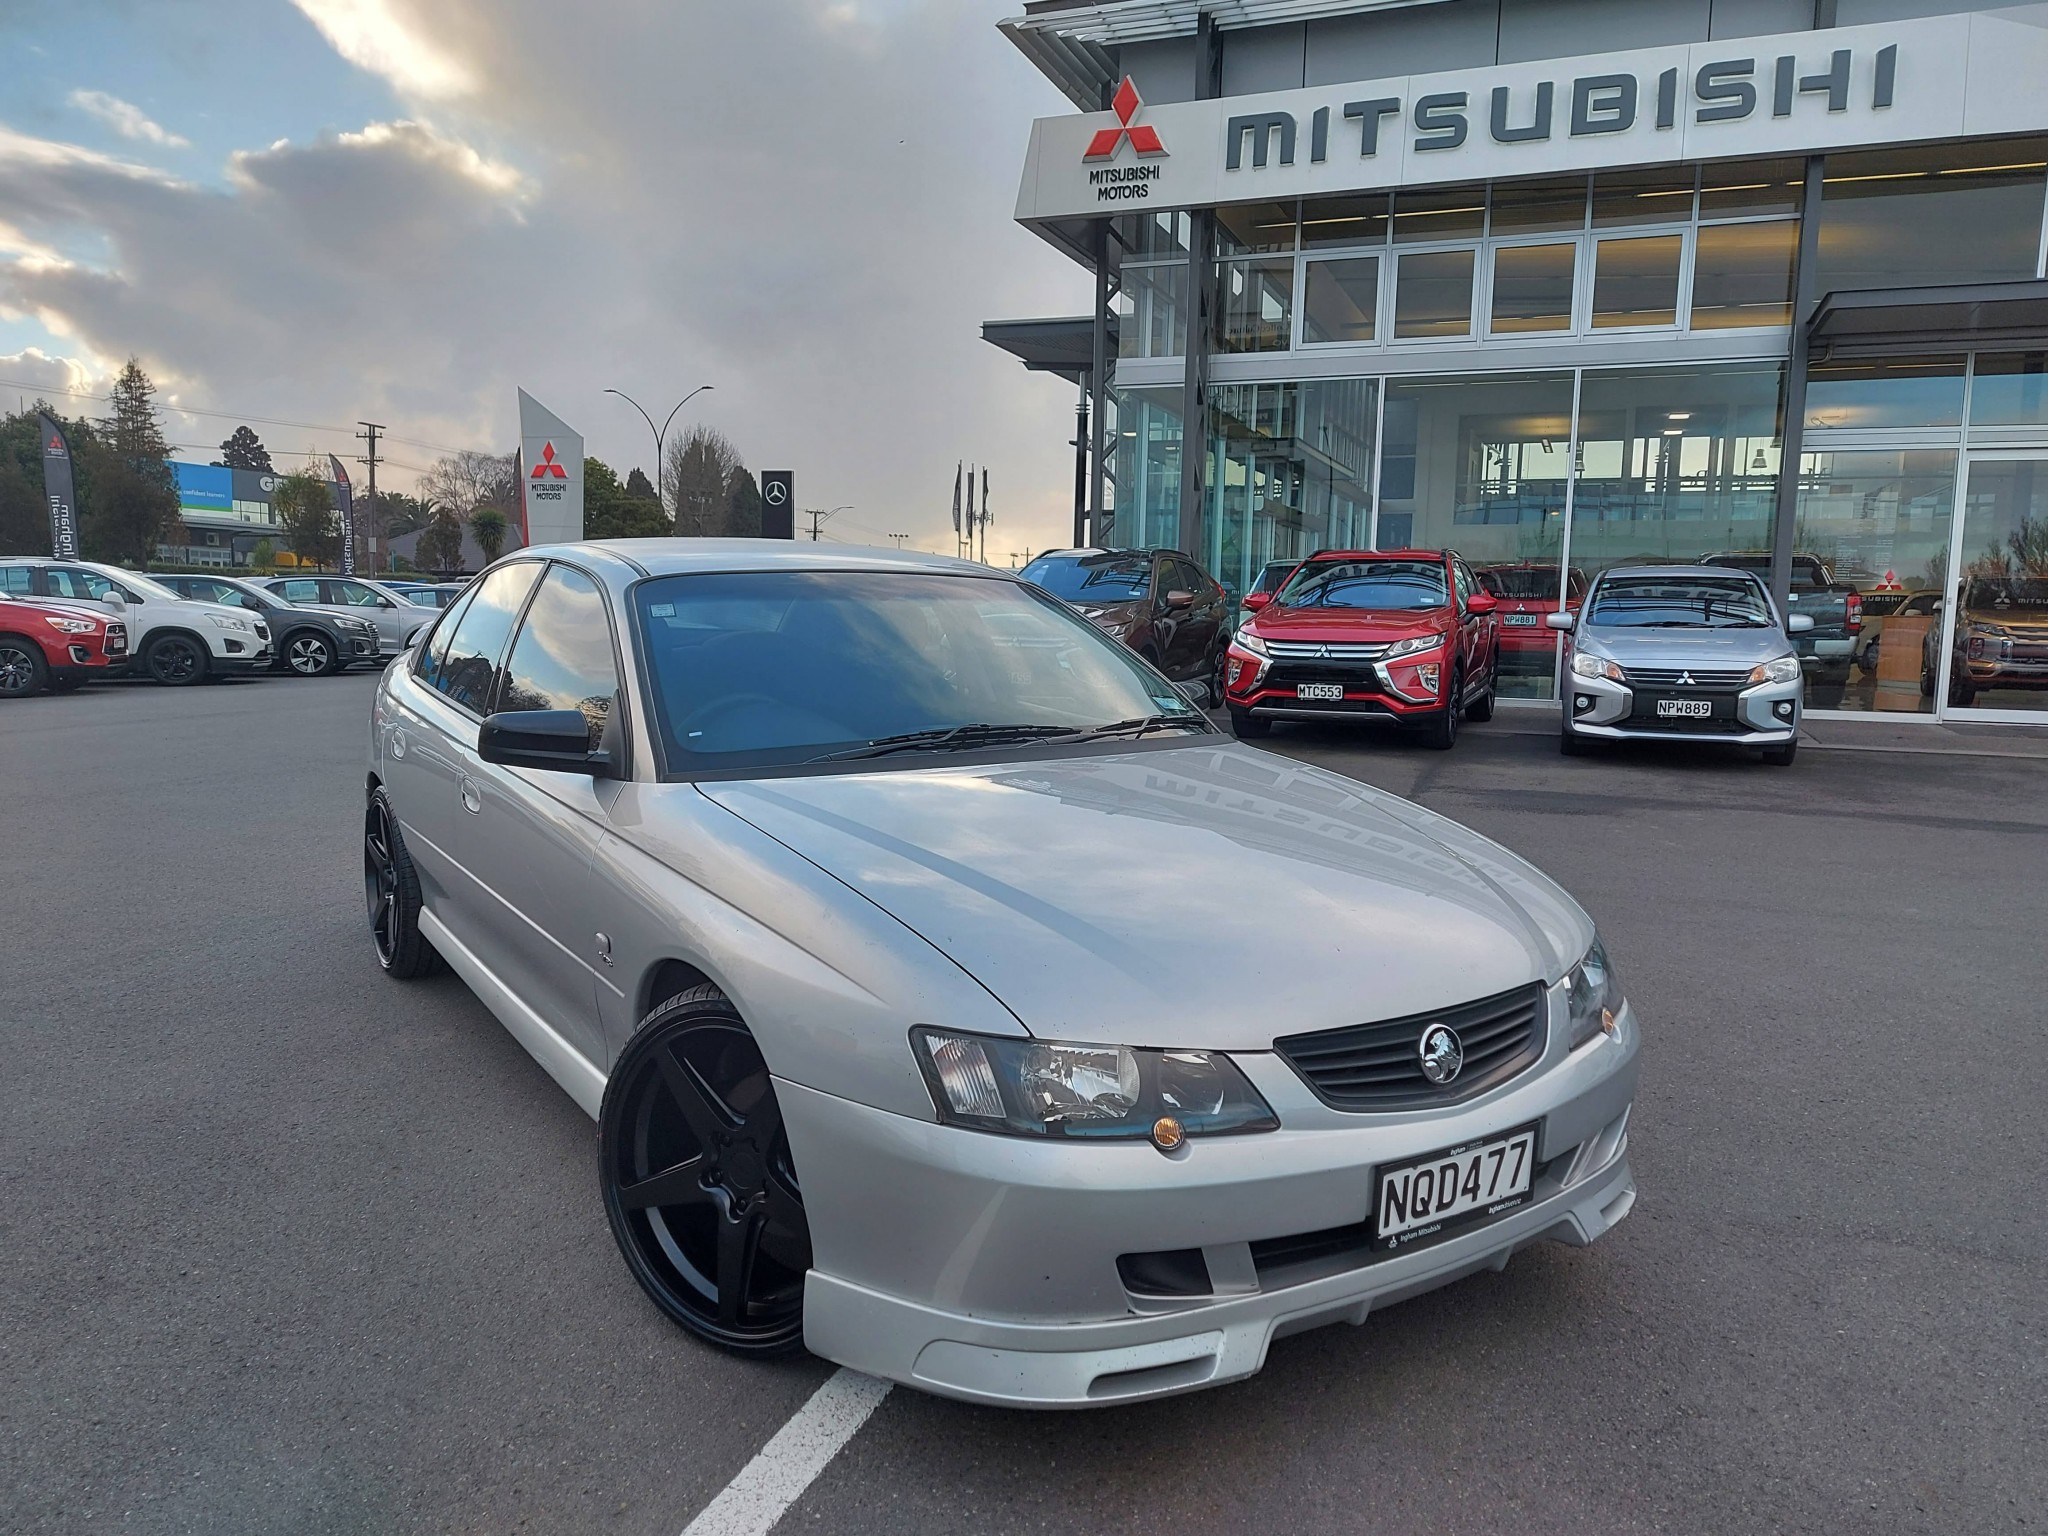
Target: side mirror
x,y
1254,601
1481,602
1799,624
116,599
1561,620
1180,599
557,740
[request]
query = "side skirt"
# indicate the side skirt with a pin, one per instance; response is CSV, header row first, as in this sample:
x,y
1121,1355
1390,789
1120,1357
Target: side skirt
x,y
561,1060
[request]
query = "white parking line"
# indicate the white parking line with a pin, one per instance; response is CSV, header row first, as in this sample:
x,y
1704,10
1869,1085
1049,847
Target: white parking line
x,y
790,1462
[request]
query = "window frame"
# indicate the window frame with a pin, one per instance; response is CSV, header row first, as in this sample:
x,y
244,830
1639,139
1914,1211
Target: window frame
x,y
425,648
620,751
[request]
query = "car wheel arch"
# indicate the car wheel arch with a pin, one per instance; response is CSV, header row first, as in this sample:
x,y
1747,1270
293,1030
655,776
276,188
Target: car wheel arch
x,y
668,978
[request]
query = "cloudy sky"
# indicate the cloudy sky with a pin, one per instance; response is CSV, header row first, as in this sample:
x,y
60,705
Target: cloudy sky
x,y
317,211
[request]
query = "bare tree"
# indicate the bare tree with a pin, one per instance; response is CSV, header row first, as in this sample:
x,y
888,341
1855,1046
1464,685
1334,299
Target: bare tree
x,y
698,477
468,480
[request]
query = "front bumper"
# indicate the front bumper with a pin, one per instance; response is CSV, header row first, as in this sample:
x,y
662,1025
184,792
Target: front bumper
x,y
998,1279
1601,709
1268,690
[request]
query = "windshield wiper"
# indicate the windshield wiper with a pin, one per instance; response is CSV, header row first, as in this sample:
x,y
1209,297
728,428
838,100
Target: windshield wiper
x,y
947,738
1137,727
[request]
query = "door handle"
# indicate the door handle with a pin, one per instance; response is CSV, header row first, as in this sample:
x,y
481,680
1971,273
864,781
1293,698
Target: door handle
x,y
472,797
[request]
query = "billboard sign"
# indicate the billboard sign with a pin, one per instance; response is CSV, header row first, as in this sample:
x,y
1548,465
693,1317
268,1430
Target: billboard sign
x,y
550,475
778,504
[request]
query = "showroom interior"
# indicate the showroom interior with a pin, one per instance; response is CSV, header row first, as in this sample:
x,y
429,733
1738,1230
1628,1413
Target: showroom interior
x,y
1828,365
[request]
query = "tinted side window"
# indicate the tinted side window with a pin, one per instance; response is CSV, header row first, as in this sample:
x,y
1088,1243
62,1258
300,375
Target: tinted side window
x,y
469,666
563,657
354,594
69,581
16,578
434,654
299,591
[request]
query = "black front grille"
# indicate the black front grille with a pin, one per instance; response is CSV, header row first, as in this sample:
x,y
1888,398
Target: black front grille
x,y
1351,674
1379,1066
1684,678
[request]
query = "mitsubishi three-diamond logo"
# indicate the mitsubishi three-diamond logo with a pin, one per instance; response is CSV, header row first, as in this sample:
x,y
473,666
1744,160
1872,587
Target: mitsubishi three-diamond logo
x,y
547,466
1143,137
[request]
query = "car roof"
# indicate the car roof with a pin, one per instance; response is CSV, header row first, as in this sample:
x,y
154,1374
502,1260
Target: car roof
x,y
1438,555
1689,572
677,557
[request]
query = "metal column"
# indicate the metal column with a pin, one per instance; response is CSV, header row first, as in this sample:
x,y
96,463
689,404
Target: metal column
x,y
1194,432
1098,379
1803,300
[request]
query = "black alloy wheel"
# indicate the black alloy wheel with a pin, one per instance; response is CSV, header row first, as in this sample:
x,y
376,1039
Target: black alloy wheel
x,y
310,654
22,668
1442,730
697,1179
391,891
176,661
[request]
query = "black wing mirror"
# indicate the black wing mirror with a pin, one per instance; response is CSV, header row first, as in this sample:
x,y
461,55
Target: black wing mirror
x,y
557,740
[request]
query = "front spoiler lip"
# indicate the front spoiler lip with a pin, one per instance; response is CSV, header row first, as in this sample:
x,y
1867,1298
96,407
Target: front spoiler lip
x,y
1132,1359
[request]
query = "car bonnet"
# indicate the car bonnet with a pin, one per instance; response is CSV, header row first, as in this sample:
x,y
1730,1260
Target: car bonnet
x,y
1206,896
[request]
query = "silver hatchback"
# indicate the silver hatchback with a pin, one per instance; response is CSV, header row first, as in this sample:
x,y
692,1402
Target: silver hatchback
x,y
952,998
1682,653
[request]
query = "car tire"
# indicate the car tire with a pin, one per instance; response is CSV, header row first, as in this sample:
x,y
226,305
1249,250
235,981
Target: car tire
x,y
23,671
1960,694
391,892
1441,732
1570,743
698,1184
1245,727
1781,757
308,653
176,661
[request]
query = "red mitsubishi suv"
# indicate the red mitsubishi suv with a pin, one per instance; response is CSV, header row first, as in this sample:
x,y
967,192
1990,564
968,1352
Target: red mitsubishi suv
x,y
56,645
1401,636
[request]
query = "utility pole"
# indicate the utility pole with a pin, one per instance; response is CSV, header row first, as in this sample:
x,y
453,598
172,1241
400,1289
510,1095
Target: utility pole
x,y
818,517
369,435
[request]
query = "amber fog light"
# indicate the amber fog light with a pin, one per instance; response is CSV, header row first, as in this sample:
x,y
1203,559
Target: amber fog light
x,y
1168,1133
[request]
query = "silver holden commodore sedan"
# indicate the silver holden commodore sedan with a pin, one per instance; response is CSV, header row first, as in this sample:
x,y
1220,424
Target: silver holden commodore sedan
x,y
952,998
1663,652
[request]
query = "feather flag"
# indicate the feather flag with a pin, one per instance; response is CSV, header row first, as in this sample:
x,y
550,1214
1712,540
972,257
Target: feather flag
x,y
986,515
958,470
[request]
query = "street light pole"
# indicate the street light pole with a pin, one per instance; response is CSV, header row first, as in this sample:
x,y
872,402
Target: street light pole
x,y
660,432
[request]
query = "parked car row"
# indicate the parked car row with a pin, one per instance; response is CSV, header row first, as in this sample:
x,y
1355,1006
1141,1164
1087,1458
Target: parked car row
x,y
184,629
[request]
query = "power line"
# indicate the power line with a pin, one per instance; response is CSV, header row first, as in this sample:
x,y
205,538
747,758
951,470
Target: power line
x,y
240,416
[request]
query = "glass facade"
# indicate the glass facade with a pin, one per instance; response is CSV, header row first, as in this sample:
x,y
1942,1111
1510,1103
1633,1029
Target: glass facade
x,y
1395,432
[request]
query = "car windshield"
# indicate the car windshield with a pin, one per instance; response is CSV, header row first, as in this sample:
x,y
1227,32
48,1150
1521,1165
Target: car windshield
x,y
1679,602
137,582
1093,578
1394,584
1521,583
2023,597
780,668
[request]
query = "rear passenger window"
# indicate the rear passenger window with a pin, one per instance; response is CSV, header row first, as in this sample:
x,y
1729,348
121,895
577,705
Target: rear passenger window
x,y
299,591
563,657
469,665
15,578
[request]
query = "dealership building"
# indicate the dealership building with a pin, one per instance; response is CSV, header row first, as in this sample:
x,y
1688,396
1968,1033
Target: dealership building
x,y
1563,284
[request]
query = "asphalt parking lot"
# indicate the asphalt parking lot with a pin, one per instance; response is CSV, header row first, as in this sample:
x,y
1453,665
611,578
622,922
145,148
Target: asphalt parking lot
x,y
285,1246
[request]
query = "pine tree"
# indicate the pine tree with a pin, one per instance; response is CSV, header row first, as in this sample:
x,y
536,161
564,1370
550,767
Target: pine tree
x,y
243,449
134,506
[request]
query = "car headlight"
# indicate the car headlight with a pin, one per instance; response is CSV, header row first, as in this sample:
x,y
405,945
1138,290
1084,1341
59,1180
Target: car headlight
x,y
1056,1089
1784,670
1414,645
70,626
1585,664
1594,994
222,621
1245,640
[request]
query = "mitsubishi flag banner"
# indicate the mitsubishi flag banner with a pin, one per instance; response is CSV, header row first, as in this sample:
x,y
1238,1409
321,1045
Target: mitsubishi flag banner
x,y
348,516
550,475
57,486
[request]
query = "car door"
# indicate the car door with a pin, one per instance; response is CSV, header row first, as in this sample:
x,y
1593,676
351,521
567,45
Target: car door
x,y
1472,627
1206,618
429,749
1169,624
536,831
